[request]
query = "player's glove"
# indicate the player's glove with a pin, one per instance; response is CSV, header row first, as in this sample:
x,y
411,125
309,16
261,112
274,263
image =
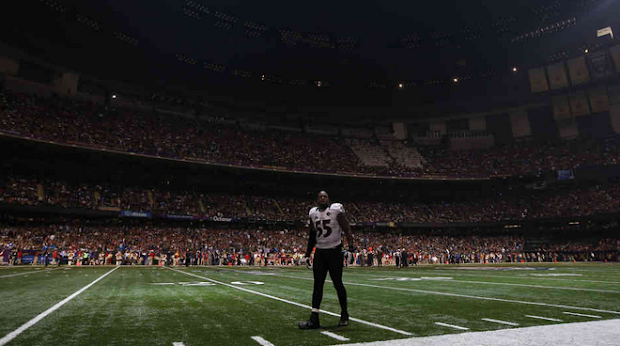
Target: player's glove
x,y
308,264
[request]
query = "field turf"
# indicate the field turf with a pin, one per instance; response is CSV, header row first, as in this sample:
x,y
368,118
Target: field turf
x,y
230,305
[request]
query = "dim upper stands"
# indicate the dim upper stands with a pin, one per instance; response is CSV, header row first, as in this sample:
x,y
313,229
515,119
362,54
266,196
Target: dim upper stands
x,y
172,136
524,158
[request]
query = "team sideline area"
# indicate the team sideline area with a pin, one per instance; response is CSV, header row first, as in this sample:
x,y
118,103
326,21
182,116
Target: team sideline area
x,y
503,304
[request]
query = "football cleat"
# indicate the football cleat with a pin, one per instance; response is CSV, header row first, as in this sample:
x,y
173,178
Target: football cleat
x,y
309,324
344,320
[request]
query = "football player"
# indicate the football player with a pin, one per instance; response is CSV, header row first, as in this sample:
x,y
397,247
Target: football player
x,y
327,222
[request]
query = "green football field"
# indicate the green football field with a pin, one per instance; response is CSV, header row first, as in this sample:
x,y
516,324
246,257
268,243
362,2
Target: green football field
x,y
253,306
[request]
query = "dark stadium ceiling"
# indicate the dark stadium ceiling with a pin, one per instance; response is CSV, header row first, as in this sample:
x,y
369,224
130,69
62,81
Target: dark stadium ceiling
x,y
375,44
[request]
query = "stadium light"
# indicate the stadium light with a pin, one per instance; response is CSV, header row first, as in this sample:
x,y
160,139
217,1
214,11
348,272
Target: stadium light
x,y
514,69
114,96
400,85
586,50
455,80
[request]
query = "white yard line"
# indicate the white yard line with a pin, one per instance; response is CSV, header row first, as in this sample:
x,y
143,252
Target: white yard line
x,y
291,302
335,336
29,272
499,276
530,277
451,326
262,341
500,322
589,281
466,296
531,286
454,272
599,333
178,344
12,335
583,315
544,318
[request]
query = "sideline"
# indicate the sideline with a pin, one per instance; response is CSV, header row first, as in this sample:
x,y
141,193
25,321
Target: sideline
x,y
28,272
599,333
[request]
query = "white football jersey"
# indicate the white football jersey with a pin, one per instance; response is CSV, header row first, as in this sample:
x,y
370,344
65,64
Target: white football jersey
x,y
325,222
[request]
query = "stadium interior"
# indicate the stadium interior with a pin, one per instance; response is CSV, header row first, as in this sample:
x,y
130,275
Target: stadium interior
x,y
471,142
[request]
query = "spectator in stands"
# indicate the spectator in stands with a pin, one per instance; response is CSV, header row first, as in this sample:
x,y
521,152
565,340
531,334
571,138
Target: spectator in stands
x,y
83,123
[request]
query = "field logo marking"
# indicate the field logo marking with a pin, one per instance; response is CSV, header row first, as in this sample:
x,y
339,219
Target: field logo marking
x,y
12,335
292,302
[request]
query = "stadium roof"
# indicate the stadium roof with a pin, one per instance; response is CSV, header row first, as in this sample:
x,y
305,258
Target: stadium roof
x,y
388,45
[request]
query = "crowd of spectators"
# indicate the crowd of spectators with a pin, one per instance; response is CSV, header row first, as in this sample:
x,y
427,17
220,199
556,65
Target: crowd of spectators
x,y
205,245
31,192
603,244
535,205
175,136
523,158
573,201
168,135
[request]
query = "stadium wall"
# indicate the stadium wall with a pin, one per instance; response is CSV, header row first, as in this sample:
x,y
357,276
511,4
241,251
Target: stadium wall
x,y
66,84
499,125
25,86
520,124
400,130
8,66
477,124
438,126
614,114
598,125
568,128
468,143
543,125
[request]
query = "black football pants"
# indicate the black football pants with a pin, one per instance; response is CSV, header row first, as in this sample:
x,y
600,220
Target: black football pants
x,y
328,260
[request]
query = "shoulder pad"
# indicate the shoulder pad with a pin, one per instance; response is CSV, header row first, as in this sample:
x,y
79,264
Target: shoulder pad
x,y
337,207
312,211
